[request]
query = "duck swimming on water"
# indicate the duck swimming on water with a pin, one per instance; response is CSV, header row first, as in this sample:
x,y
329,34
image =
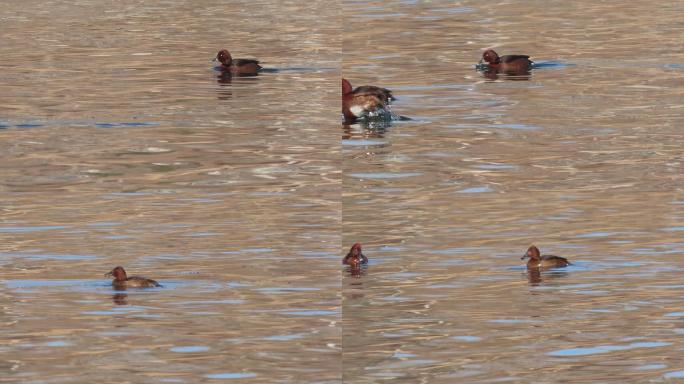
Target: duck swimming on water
x,y
508,64
122,281
239,67
537,260
355,258
365,101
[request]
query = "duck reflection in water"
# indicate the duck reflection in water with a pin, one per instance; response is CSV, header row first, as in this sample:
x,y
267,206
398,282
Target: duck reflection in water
x,y
537,276
356,272
493,74
224,78
356,290
365,129
226,81
120,299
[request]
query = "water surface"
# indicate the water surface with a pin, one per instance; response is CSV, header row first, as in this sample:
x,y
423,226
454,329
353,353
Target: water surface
x,y
121,145
581,158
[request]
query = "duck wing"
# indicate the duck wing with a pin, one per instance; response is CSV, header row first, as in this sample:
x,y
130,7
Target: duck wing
x,y
143,281
241,62
511,58
555,259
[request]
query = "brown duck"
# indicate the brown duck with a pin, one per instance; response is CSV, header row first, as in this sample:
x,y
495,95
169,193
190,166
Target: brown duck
x,y
240,67
511,64
121,281
355,258
364,100
545,261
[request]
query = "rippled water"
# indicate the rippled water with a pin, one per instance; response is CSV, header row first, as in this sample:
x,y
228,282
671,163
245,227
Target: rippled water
x,y
581,158
123,146
120,144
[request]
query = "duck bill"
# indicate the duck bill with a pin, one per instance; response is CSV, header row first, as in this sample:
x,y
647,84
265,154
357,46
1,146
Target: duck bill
x,y
214,59
524,257
108,274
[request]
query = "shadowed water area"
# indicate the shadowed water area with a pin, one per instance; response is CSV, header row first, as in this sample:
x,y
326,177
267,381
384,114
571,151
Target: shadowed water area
x,y
122,145
582,158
